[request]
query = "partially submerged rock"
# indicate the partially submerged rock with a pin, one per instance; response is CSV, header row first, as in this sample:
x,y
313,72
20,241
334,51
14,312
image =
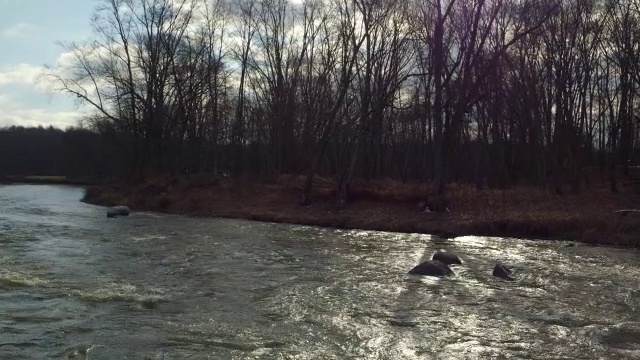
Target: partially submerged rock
x,y
503,272
431,268
447,258
118,211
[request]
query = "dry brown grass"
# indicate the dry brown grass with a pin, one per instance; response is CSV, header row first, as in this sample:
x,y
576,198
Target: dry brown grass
x,y
392,206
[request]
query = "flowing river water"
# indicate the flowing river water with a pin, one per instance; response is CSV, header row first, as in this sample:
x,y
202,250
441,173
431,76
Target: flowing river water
x,y
76,285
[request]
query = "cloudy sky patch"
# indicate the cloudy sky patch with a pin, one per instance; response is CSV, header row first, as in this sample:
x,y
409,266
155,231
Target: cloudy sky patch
x,y
19,31
29,33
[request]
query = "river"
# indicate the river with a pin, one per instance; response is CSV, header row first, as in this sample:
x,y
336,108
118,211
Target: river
x,y
77,285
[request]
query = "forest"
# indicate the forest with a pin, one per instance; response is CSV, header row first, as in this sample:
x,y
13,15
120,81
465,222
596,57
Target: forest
x,y
494,93
75,153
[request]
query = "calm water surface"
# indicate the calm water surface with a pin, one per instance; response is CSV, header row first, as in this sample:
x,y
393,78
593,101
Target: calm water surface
x,y
76,285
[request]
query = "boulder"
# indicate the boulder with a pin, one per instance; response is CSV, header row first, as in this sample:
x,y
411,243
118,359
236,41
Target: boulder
x,y
118,211
431,268
503,272
447,258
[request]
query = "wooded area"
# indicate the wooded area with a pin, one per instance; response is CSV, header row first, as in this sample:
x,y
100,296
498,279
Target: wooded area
x,y
490,92
77,154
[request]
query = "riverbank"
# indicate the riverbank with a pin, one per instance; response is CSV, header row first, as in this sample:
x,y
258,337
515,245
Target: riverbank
x,y
589,217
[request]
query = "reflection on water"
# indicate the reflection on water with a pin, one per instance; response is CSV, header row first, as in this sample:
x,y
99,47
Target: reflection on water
x,y
75,284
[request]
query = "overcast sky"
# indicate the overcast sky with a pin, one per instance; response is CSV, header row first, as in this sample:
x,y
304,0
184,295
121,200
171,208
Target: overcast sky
x,y
29,30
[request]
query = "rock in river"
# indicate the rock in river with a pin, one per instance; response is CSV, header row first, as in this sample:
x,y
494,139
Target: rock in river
x,y
503,272
447,258
431,268
118,211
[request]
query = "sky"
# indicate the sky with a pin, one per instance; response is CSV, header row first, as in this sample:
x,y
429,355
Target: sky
x,y
29,30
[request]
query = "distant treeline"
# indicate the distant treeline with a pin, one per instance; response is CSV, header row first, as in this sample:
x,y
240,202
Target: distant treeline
x,y
75,153
539,92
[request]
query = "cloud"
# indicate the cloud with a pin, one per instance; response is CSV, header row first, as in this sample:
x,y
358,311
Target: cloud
x,y
16,112
23,74
23,100
27,99
20,30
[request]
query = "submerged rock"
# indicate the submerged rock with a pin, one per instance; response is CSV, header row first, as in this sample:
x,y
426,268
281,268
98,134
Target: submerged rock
x,y
446,258
503,272
431,268
118,211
